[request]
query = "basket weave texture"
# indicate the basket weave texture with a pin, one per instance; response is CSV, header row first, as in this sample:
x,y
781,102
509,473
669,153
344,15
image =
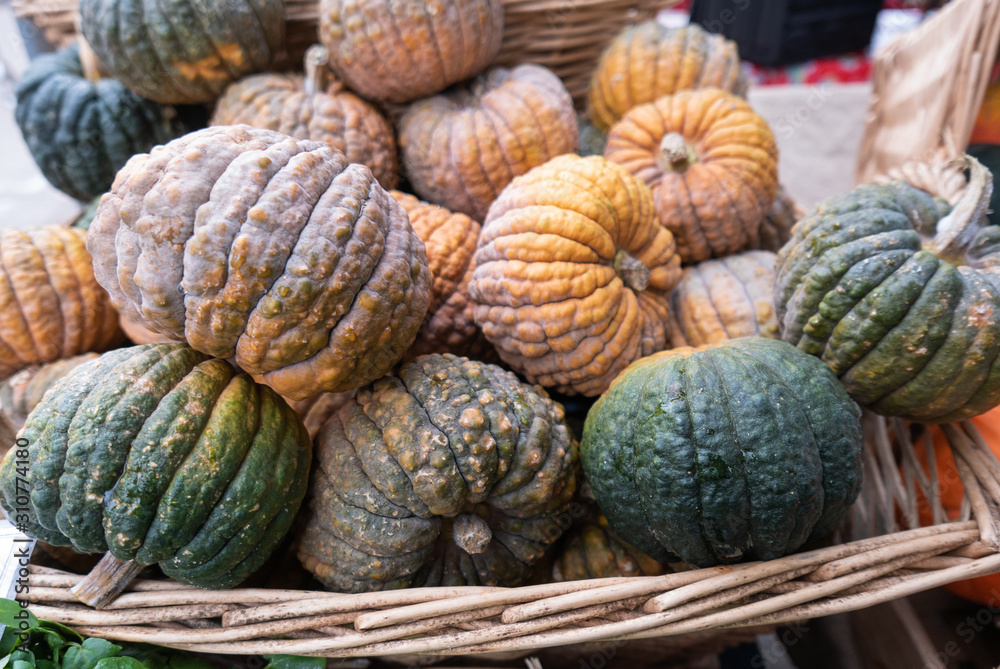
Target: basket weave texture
x,y
890,557
567,36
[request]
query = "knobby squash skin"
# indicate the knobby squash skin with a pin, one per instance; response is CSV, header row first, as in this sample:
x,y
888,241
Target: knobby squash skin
x,y
452,473
396,52
248,243
711,162
461,148
900,298
591,550
22,392
573,273
333,115
79,132
738,451
650,60
450,240
51,305
161,455
728,298
182,52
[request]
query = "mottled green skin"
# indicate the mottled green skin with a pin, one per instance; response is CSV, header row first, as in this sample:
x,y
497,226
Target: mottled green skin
x,y
740,451
408,454
79,132
159,454
907,333
182,51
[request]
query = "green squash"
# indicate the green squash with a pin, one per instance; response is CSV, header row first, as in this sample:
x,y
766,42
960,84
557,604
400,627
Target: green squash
x,y
900,296
159,455
452,473
738,451
81,132
183,52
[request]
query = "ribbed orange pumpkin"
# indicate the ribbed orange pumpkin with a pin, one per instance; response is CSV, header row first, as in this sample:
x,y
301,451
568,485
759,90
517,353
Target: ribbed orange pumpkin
x,y
450,240
391,51
649,60
462,147
712,164
310,108
51,306
573,273
719,300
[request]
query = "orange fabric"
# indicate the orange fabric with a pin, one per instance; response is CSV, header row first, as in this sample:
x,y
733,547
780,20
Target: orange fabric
x,y
987,127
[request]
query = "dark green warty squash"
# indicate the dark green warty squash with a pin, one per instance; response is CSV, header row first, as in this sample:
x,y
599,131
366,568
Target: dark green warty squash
x,y
743,450
900,296
82,132
181,51
159,455
452,473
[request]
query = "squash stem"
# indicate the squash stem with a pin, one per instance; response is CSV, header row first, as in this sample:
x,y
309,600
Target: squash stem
x,y
88,61
632,272
675,153
957,230
106,581
316,59
471,533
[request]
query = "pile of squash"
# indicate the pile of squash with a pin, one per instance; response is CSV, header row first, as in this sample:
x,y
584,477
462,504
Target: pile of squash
x,y
353,292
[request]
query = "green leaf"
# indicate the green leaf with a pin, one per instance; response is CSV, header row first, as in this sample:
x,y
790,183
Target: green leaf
x,y
294,662
120,663
89,653
22,664
47,664
12,615
61,630
8,641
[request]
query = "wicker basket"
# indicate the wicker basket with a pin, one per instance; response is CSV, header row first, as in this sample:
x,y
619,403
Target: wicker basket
x,y
566,36
889,557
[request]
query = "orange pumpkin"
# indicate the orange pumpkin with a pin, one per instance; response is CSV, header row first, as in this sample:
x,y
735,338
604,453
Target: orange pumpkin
x,y
573,274
462,147
712,163
650,60
983,589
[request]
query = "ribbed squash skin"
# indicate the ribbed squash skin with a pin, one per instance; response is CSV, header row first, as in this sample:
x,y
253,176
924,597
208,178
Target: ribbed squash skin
x,y
907,333
22,392
738,451
161,455
649,60
415,456
776,228
461,148
450,240
182,52
556,284
715,192
341,119
296,263
591,550
391,51
51,306
317,411
79,132
719,300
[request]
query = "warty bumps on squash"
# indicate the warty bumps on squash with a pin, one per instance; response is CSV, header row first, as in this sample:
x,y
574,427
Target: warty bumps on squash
x,y
451,473
51,305
899,294
160,455
741,450
248,243
182,51
573,273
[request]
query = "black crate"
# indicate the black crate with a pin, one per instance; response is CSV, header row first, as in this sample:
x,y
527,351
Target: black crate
x,y
780,32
